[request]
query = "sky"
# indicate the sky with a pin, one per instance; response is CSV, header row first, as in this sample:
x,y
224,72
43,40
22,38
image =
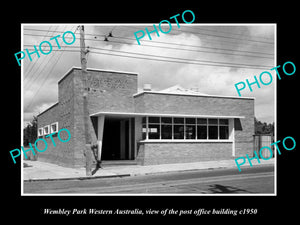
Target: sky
x,y
211,58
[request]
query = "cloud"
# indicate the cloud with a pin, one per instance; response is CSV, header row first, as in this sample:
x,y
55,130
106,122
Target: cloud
x,y
161,74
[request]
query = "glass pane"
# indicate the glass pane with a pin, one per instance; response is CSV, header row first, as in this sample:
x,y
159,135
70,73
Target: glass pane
x,y
153,119
213,132
223,121
213,121
190,120
202,132
224,132
54,129
201,121
166,120
46,130
166,131
144,120
178,131
179,120
153,131
190,132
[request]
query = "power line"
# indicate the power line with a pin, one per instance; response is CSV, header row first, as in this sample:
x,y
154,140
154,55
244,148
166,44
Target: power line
x,y
43,60
184,49
219,36
167,57
166,43
231,33
33,64
184,62
45,78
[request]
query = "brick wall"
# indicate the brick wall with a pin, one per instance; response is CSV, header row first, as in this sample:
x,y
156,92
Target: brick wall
x,y
108,92
63,113
164,153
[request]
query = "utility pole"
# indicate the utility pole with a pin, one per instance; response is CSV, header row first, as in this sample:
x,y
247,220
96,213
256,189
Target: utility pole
x,y
87,150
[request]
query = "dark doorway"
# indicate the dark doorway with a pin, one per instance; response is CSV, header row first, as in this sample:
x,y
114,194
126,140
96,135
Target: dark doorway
x,y
111,140
116,139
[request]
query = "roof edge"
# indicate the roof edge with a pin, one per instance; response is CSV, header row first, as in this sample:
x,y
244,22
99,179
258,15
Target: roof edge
x,y
96,69
50,107
188,94
164,115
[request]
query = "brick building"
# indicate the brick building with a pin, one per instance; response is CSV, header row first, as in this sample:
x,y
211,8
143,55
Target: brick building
x,y
150,127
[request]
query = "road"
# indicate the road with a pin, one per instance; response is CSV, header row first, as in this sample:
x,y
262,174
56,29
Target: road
x,y
219,181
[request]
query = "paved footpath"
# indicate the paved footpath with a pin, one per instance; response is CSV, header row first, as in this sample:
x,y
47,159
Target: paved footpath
x,y
36,170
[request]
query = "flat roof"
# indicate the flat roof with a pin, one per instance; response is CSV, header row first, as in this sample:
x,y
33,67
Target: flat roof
x,y
132,114
95,69
189,94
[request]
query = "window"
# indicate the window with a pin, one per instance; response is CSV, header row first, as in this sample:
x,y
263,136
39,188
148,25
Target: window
x,y
54,127
154,128
224,128
178,128
40,132
169,128
166,128
190,128
201,128
213,129
46,129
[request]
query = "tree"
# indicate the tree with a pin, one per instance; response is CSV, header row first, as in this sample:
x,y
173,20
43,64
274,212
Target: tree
x,y
30,132
263,128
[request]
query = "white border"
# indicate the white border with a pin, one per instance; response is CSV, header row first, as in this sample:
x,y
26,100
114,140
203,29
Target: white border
x,y
145,24
47,126
51,130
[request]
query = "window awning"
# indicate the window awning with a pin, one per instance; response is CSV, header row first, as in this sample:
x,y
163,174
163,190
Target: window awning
x,y
132,114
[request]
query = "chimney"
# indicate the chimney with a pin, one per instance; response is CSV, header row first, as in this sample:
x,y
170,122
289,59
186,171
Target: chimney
x,y
147,87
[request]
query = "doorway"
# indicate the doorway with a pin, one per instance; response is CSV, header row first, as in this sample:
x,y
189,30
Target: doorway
x,y
117,139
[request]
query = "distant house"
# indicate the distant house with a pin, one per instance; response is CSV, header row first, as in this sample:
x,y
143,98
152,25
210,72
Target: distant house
x,y
174,125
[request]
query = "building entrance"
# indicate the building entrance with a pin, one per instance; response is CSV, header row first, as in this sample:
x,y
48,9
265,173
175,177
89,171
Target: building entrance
x,y
117,139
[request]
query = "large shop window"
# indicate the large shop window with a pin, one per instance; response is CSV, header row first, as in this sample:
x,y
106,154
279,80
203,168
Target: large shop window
x,y
176,128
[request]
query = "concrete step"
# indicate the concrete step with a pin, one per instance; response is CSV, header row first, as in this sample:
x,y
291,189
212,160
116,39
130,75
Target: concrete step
x,y
106,163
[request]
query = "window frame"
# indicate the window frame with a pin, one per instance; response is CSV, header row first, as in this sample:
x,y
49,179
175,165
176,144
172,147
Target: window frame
x,y
51,130
41,134
185,124
48,132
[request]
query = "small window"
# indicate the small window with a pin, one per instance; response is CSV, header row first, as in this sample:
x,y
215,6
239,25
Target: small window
x,y
202,132
190,121
213,132
154,131
54,127
40,132
224,132
178,131
223,121
166,120
154,119
46,129
190,131
166,131
179,120
213,121
224,128
201,121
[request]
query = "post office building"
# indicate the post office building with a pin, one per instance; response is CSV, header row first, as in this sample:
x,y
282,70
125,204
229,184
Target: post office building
x,y
174,125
